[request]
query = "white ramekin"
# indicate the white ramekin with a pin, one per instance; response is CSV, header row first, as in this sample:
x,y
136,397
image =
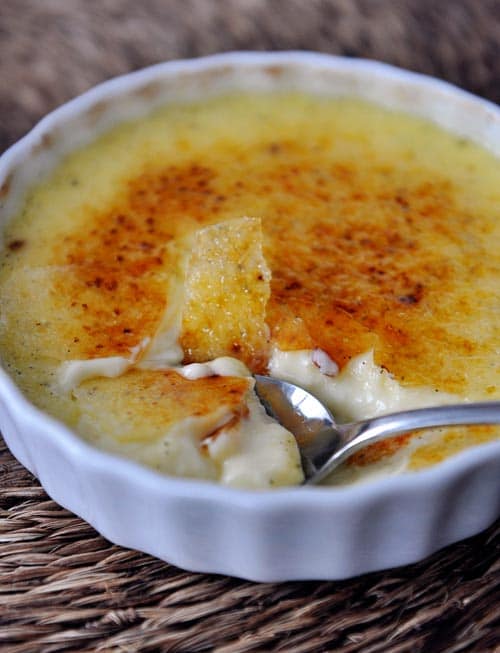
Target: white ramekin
x,y
300,533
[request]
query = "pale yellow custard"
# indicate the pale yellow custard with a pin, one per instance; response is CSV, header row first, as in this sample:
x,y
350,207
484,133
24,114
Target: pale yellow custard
x,y
353,250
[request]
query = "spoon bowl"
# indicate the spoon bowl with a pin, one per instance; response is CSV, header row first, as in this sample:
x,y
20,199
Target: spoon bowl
x,y
324,444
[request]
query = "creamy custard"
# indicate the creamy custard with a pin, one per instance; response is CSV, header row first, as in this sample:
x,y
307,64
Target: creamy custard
x,y
381,236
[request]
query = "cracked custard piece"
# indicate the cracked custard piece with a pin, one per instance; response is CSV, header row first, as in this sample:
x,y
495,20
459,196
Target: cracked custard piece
x,y
140,413
226,289
212,428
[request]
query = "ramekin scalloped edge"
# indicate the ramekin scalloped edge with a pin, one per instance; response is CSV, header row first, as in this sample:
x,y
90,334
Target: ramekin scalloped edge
x,y
288,534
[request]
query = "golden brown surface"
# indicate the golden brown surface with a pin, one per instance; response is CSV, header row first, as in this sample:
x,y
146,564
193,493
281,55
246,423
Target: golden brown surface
x,y
146,404
381,232
226,289
367,262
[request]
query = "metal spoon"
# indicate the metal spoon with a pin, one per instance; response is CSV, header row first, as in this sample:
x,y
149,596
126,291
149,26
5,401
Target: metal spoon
x,y
324,444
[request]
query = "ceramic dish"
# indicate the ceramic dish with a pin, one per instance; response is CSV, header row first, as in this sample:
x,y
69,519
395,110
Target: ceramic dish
x,y
299,533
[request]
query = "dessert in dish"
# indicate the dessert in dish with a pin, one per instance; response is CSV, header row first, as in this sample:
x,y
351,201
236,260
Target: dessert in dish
x,y
329,242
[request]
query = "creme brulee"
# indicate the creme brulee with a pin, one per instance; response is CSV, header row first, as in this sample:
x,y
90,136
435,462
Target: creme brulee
x,y
347,248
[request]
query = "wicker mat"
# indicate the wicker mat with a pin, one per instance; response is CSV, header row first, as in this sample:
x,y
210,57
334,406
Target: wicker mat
x,y
65,588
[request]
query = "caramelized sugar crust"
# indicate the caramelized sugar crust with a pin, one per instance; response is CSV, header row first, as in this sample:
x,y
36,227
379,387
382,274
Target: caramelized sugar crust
x,y
145,404
367,250
357,260
226,291
124,260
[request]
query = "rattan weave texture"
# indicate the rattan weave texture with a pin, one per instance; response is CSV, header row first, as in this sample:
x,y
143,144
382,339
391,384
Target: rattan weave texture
x,y
65,588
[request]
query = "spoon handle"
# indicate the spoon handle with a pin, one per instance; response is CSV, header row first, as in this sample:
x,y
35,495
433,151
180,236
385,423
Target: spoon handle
x,y
357,435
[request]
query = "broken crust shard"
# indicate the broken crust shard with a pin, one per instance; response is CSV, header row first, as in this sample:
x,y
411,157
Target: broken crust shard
x,y
212,428
218,308
227,288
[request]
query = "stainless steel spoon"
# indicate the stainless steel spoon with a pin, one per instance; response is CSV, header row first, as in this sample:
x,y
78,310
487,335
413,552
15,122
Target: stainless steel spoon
x,y
324,444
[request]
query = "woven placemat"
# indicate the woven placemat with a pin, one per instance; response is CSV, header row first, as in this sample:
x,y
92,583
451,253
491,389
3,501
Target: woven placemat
x,y
65,588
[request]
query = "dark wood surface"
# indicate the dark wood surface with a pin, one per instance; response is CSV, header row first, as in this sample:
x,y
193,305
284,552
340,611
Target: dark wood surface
x,y
65,588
